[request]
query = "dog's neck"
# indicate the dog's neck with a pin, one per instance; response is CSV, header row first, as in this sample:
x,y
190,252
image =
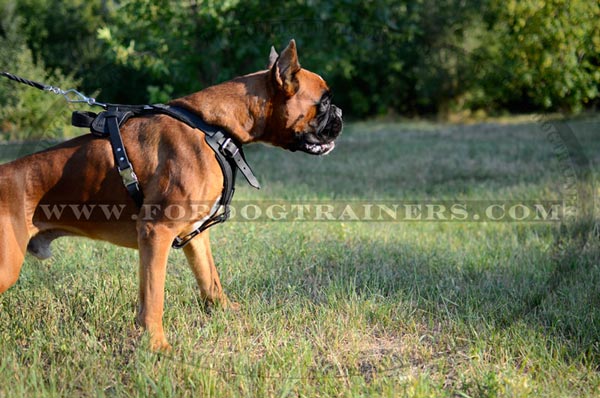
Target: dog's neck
x,y
242,106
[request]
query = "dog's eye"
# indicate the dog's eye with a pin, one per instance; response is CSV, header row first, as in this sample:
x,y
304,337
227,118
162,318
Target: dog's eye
x,y
325,102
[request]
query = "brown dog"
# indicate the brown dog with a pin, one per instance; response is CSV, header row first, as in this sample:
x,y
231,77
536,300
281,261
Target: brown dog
x,y
283,106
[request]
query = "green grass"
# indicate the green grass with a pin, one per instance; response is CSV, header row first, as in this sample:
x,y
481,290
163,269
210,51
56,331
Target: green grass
x,y
421,309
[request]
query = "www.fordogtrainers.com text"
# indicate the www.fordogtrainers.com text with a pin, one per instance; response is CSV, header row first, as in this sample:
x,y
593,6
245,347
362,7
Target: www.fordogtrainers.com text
x,y
287,211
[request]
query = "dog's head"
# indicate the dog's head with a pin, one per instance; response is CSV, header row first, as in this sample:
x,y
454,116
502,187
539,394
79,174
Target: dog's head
x,y
303,117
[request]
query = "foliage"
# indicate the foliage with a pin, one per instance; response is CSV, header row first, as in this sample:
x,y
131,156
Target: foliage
x,y
379,56
401,56
62,34
542,55
382,56
27,113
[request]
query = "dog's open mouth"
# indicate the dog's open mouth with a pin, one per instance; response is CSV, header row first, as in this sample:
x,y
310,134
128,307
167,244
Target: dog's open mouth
x,y
317,149
321,140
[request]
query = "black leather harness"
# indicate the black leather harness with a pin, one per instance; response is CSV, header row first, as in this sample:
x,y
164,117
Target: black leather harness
x,y
228,152
107,124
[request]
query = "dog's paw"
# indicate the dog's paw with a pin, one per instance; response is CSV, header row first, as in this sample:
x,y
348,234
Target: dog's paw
x,y
160,344
232,306
223,304
226,304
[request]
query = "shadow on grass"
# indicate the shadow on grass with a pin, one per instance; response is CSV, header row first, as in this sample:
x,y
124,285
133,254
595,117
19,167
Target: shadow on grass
x,y
552,292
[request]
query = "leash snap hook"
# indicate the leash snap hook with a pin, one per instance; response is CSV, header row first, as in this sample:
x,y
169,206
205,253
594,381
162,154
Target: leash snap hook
x,y
75,97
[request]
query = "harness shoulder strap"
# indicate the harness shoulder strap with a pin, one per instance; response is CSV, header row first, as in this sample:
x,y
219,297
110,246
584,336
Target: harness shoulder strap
x,y
113,118
228,153
215,137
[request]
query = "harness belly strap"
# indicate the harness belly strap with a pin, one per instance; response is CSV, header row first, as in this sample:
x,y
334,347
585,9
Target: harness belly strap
x,y
228,153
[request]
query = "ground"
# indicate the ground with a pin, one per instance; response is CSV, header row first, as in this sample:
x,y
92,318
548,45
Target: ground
x,y
343,308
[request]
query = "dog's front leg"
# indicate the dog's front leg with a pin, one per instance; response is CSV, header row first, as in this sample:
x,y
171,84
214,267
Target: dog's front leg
x,y
154,242
201,262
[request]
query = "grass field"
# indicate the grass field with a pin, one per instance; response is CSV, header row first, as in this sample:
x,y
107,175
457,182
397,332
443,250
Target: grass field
x,y
419,309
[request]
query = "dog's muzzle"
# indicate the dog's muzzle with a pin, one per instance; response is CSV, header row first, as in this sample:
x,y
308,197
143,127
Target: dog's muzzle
x,y
322,140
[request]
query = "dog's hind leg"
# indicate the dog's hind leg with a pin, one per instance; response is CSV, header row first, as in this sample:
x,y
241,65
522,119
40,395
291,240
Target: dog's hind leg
x,y
14,231
200,259
13,243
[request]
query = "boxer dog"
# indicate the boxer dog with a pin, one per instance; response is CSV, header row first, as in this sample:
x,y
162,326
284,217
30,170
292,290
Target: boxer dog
x,y
285,106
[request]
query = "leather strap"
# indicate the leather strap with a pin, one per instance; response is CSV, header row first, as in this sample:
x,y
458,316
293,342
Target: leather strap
x,y
99,124
228,146
228,153
124,167
83,118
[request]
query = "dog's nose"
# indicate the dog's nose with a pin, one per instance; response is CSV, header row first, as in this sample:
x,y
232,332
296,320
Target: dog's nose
x,y
335,123
337,111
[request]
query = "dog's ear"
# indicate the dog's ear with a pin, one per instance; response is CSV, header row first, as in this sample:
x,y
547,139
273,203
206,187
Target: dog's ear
x,y
285,69
272,57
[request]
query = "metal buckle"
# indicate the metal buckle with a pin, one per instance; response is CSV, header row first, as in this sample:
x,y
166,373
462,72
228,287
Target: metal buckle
x,y
177,243
128,176
227,150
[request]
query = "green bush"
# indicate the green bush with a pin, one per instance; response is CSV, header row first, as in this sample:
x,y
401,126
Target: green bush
x,y
538,55
27,113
